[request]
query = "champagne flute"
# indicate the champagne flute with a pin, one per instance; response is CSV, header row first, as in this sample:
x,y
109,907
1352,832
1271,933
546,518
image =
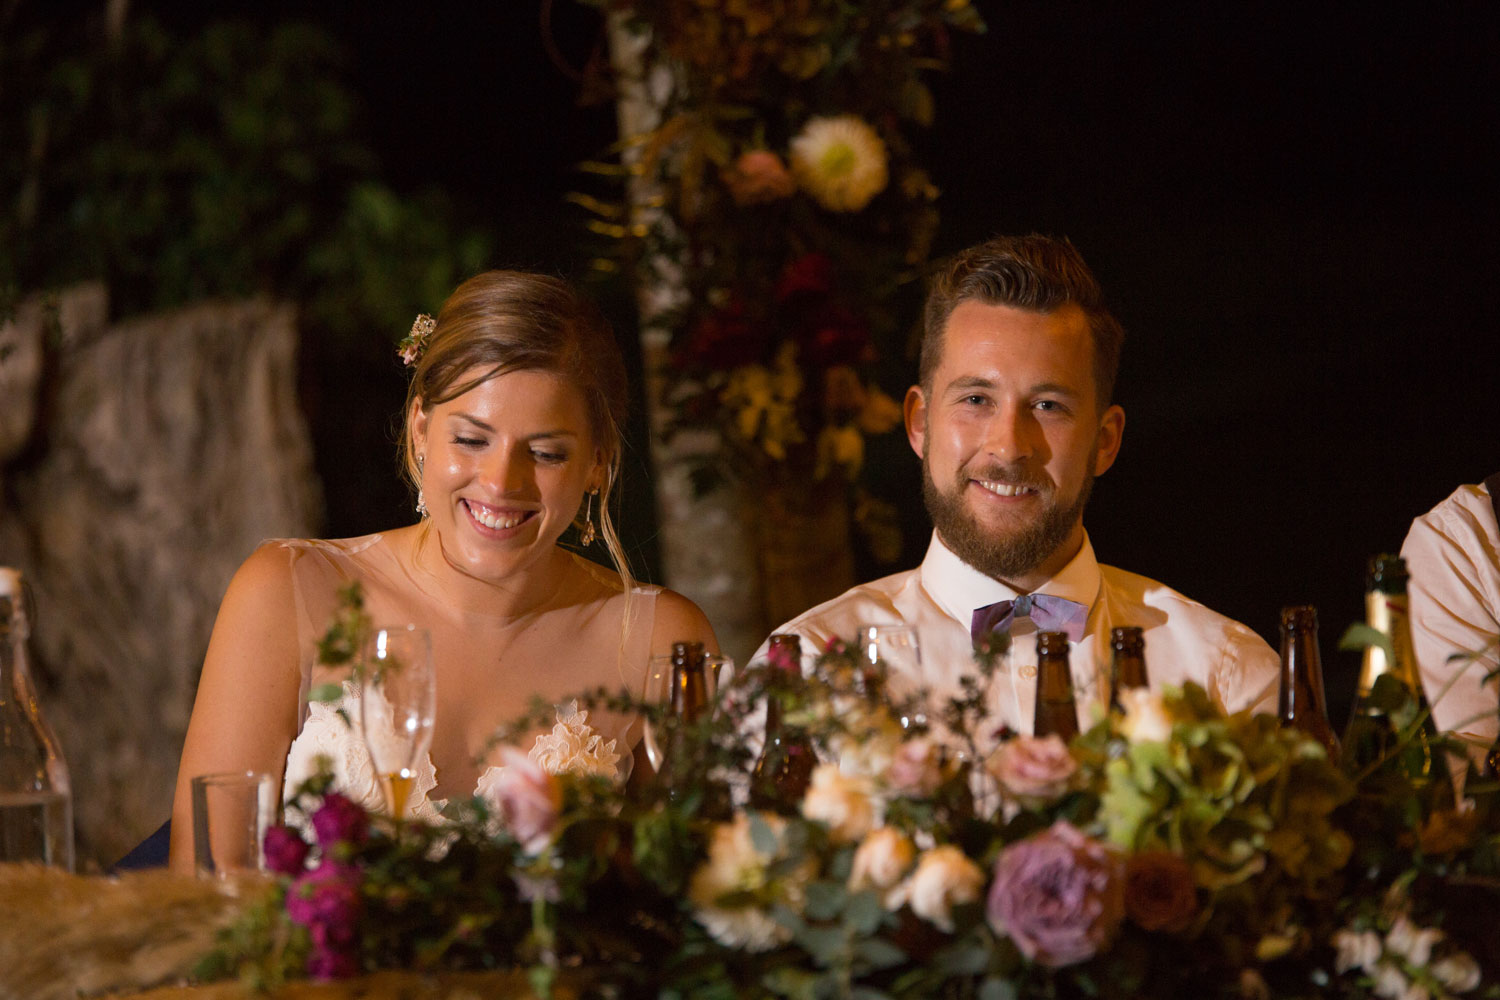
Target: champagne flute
x,y
398,694
658,692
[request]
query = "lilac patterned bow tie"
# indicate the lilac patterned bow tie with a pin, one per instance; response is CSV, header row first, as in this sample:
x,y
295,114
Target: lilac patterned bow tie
x,y
1050,614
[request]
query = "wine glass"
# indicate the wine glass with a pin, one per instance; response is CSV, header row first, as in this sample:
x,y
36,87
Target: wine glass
x,y
398,693
893,649
658,691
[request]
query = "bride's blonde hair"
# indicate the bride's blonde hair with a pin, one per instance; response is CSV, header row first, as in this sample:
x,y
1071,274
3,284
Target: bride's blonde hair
x,y
504,321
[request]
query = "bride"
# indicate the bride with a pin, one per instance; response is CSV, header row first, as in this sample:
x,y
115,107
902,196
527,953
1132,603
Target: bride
x,y
512,433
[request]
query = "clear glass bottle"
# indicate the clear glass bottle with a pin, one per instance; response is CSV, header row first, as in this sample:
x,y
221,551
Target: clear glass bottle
x,y
1056,711
36,799
1301,702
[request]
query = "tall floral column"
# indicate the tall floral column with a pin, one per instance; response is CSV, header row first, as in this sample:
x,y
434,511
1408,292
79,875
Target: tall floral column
x,y
773,213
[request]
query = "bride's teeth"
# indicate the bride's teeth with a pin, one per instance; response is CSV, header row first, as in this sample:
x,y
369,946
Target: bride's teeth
x,y
494,521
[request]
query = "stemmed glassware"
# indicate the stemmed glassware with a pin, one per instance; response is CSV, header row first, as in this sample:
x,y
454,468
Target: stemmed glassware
x,y
892,649
398,695
658,691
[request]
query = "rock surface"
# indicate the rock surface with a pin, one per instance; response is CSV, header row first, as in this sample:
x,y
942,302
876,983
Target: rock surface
x,y
160,452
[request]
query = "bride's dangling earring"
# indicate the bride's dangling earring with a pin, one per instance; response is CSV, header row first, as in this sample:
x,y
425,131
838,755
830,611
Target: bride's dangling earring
x,y
587,535
421,494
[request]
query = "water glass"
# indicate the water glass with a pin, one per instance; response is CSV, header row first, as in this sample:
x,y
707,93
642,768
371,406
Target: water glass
x,y
231,813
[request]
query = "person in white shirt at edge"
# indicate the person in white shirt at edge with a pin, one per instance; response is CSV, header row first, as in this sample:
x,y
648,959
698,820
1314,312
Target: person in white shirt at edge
x,y
1012,419
1453,555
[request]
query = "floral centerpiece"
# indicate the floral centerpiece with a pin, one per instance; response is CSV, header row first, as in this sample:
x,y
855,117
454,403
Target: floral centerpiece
x,y
788,208
1167,851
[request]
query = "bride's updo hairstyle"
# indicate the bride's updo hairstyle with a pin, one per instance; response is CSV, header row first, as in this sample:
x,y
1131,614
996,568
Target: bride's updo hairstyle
x,y
505,321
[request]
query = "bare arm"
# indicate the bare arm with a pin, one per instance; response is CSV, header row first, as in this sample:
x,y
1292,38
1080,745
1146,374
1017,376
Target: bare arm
x,y
245,713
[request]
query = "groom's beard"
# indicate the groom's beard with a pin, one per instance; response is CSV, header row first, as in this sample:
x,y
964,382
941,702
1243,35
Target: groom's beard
x,y
1000,553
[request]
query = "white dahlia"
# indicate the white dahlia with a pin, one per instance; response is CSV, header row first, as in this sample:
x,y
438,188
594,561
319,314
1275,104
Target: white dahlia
x,y
840,161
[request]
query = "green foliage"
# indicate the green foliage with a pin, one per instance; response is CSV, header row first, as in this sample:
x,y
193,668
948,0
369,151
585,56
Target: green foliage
x,y
225,164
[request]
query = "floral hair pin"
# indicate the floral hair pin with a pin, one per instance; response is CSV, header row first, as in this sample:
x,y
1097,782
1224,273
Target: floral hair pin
x,y
414,344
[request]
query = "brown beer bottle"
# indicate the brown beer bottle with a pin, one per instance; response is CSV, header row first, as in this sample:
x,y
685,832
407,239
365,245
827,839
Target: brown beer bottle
x,y
1055,710
686,768
784,769
1301,703
1128,663
686,698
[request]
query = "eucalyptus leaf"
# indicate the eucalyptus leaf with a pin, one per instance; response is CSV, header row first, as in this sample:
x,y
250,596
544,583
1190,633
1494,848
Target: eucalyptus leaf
x,y
995,988
1361,635
864,913
762,836
879,953
825,900
326,693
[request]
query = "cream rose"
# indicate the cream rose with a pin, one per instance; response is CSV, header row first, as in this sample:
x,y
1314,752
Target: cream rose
x,y
840,802
882,860
1459,972
1356,950
733,866
1146,718
944,878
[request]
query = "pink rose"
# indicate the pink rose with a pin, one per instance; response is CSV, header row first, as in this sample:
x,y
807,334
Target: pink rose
x,y
526,797
915,769
759,177
1159,891
1031,767
1058,895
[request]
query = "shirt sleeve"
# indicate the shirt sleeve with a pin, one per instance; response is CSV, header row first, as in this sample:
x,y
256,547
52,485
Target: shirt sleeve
x,y
1250,677
1454,574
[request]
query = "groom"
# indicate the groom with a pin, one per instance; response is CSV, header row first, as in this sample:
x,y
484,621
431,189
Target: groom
x,y
1013,420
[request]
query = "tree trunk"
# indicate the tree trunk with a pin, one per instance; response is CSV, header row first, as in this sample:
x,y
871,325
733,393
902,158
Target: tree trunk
x,y
707,542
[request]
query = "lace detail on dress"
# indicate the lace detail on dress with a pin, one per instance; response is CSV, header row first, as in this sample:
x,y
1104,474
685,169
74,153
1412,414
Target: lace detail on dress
x,y
326,734
572,747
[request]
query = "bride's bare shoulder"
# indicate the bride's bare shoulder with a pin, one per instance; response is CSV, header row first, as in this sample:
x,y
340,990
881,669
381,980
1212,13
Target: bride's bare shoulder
x,y
679,619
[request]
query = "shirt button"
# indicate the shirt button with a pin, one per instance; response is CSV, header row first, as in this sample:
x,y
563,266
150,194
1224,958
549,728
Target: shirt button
x,y
1028,671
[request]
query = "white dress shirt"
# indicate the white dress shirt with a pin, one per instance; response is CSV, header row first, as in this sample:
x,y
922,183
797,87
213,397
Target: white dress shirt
x,y
1184,640
1453,554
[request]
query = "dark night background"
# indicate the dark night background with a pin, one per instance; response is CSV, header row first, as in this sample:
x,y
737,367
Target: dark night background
x,y
1290,207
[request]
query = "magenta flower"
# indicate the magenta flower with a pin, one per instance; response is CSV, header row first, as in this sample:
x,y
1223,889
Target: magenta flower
x,y
327,902
325,965
338,820
286,851
1058,895
327,895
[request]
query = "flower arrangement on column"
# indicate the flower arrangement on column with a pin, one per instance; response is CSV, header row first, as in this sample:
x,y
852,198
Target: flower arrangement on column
x,y
789,213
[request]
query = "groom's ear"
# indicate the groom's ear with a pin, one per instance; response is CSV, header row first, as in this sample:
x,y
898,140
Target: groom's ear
x,y
914,408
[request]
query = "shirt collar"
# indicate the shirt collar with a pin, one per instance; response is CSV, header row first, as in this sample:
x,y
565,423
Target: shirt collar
x,y
959,588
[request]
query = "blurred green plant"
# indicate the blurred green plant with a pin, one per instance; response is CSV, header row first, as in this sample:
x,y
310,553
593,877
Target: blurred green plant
x,y
225,164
